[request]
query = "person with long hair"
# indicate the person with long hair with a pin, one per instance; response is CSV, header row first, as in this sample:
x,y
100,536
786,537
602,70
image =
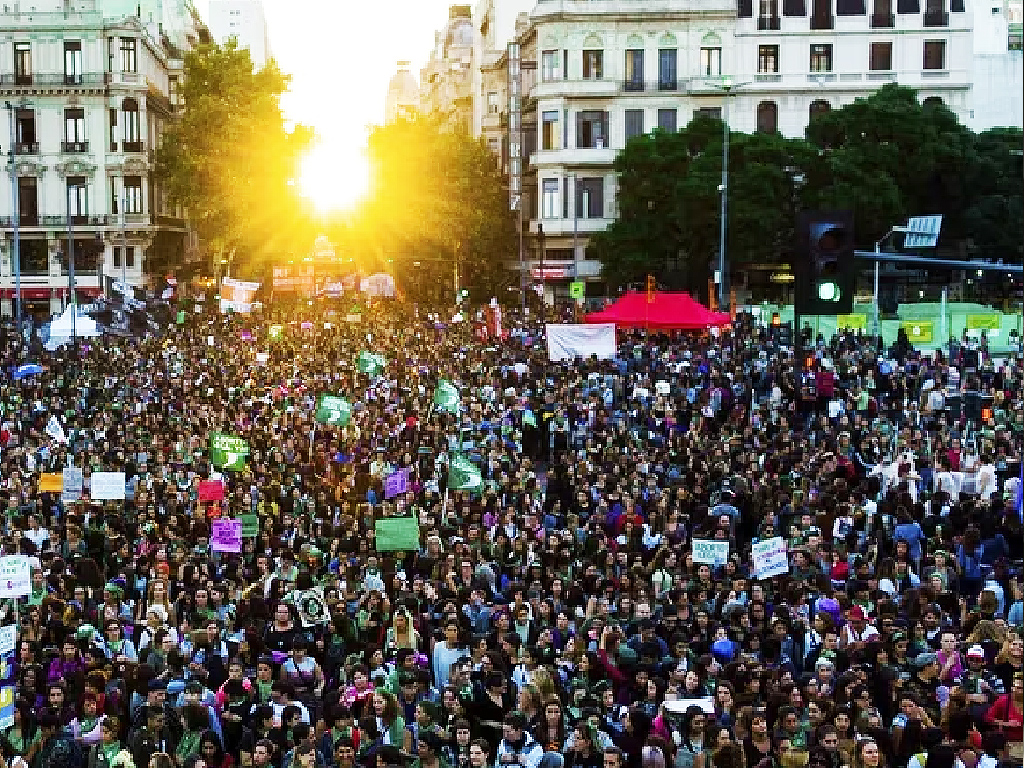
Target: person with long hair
x,y
550,730
212,751
867,754
1007,713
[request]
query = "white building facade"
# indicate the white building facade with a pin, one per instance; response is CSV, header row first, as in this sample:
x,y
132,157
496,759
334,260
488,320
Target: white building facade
x,y
85,97
611,69
245,21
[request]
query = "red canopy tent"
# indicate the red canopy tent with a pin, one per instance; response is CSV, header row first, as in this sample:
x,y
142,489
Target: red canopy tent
x,y
663,310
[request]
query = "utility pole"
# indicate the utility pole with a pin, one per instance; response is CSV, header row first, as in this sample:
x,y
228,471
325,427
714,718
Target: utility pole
x,y
15,214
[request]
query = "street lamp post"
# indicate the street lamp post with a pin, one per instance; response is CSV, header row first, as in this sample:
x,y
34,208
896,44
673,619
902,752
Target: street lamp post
x,y
728,87
71,269
15,214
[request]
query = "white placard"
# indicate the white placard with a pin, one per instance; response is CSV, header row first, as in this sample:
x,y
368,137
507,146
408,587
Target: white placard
x,y
107,485
8,639
15,576
770,557
710,551
566,342
679,706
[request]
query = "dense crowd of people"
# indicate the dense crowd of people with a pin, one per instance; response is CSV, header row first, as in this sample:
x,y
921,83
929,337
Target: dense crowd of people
x,y
555,616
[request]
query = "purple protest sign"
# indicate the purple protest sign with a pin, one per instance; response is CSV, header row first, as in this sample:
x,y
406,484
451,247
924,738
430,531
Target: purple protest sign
x,y
226,535
245,335
396,483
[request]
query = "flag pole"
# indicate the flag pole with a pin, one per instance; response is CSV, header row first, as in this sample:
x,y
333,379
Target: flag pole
x,y
312,439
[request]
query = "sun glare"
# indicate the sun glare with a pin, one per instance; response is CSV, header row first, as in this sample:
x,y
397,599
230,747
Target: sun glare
x,y
335,179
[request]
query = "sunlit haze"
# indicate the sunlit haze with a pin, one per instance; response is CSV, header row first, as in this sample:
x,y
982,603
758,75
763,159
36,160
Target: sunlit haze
x,y
341,55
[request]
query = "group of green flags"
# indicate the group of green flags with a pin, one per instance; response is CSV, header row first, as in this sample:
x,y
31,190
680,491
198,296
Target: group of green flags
x,y
230,452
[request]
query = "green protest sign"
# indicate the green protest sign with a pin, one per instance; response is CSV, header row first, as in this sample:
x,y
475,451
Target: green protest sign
x,y
370,363
446,396
463,475
250,526
397,534
228,452
333,410
578,290
181,317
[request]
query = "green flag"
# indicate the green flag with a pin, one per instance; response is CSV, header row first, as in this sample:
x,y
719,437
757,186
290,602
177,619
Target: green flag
x,y
446,396
228,452
370,364
463,475
333,410
181,317
276,332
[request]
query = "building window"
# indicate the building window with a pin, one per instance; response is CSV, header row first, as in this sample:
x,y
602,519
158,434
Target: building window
x,y
549,66
129,59
714,113
25,131
593,65
549,130
74,125
767,117
935,14
22,63
821,57
882,15
492,103
116,253
634,69
768,59
132,126
72,62
667,120
28,201
133,194
711,62
592,129
668,78
819,107
549,199
821,15
590,198
881,57
113,130
768,14
934,54
129,256
634,123
78,196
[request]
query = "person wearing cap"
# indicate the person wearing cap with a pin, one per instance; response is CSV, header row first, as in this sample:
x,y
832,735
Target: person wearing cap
x,y
857,631
923,685
981,685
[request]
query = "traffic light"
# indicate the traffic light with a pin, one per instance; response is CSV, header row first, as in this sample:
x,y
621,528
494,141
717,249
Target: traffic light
x,y
824,265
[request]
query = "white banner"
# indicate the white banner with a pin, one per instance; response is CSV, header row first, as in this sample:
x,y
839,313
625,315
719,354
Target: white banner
x,y
15,576
770,558
107,485
566,342
237,295
8,639
710,551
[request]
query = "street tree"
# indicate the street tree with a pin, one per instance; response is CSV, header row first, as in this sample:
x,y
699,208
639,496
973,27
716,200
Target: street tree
x,y
230,160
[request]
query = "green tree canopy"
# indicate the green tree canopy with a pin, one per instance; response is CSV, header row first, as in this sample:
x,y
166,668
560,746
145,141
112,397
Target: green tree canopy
x,y
437,196
230,161
886,157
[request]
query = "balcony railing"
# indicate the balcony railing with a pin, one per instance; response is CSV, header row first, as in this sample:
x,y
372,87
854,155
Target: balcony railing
x,y
132,146
26,148
74,147
883,20
55,79
936,19
769,22
633,85
823,21
668,85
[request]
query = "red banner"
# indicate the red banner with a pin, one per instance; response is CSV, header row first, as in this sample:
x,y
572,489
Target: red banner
x,y
211,490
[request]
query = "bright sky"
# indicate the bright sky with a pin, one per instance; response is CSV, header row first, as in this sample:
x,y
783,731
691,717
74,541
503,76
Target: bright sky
x,y
341,55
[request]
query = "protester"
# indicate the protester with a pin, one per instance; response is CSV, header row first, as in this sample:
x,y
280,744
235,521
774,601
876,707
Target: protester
x,y
708,551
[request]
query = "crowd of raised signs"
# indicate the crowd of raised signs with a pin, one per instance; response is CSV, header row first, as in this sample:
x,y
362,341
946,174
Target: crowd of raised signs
x,y
383,540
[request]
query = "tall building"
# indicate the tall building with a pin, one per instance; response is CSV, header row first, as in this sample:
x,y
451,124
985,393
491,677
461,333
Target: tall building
x,y
611,69
403,96
86,96
446,79
244,21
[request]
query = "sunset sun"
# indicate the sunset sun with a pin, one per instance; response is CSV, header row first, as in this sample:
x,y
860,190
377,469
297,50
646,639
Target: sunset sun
x,y
334,179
